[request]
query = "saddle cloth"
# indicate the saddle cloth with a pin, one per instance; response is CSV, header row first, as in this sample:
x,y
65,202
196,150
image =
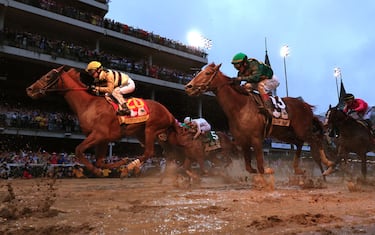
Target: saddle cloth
x,y
139,111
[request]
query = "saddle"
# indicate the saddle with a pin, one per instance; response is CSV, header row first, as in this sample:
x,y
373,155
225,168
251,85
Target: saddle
x,y
139,111
280,116
367,123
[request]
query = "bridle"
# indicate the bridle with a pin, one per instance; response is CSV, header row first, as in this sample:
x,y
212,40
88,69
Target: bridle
x,y
48,83
206,85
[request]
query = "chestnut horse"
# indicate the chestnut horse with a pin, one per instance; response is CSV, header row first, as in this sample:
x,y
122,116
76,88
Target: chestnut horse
x,y
180,145
354,137
98,120
249,126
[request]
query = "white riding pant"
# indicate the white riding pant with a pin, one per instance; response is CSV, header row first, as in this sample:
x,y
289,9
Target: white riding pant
x,y
120,91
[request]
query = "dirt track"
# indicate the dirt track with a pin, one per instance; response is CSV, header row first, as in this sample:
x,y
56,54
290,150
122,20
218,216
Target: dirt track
x,y
285,204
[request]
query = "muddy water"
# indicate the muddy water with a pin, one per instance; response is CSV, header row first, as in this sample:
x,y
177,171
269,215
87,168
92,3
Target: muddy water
x,y
241,204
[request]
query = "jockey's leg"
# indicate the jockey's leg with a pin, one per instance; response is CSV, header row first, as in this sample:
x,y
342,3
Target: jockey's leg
x,y
265,97
369,125
267,103
123,110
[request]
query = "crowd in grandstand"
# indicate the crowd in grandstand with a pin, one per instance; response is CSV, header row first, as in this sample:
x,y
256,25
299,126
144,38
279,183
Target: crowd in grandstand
x,y
24,117
88,17
70,50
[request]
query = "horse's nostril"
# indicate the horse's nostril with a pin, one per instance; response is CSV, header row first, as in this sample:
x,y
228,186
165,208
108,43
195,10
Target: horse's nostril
x,y
188,86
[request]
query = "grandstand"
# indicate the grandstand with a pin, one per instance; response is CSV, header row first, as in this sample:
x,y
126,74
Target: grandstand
x,y
38,35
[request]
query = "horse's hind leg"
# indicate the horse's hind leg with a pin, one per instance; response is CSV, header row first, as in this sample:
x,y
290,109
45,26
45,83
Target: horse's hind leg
x,y
101,153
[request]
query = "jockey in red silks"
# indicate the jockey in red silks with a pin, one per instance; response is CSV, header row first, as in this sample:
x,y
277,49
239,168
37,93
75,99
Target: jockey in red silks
x,y
358,109
357,105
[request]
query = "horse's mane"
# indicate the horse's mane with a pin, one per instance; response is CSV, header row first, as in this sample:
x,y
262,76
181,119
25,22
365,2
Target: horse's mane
x,y
234,85
345,116
83,79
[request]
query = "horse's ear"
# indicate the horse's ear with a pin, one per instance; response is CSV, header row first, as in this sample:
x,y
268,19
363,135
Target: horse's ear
x,y
218,66
330,106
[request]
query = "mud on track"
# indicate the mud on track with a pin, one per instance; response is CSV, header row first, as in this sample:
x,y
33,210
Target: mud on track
x,y
285,204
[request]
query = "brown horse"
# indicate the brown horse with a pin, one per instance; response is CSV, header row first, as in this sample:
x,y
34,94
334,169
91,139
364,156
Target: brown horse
x,y
97,118
353,137
250,126
180,145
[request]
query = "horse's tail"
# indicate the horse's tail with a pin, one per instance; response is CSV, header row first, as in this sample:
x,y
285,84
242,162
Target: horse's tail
x,y
318,127
175,125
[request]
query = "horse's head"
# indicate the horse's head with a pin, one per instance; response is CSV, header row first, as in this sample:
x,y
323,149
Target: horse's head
x,y
203,81
334,115
47,82
51,81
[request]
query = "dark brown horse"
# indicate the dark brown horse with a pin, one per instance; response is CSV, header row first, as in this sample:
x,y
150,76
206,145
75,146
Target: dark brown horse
x,y
249,126
353,137
97,118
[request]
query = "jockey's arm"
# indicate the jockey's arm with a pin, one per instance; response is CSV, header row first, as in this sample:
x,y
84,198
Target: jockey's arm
x,y
109,86
196,135
362,106
197,128
255,75
346,109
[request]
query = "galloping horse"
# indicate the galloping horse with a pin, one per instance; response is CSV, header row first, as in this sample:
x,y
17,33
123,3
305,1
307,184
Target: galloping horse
x,y
97,118
249,126
353,136
181,145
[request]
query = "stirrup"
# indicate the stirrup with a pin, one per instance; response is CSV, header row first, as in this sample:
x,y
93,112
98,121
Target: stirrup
x,y
123,112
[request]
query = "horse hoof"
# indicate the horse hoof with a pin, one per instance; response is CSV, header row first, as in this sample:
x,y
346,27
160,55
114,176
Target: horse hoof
x,y
328,171
134,164
269,170
98,172
252,171
299,172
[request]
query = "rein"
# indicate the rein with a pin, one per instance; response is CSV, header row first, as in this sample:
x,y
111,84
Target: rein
x,y
50,85
207,84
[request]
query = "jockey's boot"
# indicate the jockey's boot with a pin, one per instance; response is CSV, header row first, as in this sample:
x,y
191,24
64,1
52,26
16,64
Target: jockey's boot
x,y
268,106
124,111
369,125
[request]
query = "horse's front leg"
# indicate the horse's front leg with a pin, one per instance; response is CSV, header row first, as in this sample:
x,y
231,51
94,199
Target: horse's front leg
x,y
202,167
341,154
80,154
100,154
246,151
296,158
363,158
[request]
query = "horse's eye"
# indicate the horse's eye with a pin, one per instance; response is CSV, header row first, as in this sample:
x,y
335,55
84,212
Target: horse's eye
x,y
208,73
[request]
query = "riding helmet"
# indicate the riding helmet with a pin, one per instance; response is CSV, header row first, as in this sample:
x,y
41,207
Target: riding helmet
x,y
239,58
348,97
93,65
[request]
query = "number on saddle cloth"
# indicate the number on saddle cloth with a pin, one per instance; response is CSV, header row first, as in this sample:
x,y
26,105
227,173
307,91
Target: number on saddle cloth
x,y
280,107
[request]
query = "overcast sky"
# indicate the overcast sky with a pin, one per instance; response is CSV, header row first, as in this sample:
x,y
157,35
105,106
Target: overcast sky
x,y
321,35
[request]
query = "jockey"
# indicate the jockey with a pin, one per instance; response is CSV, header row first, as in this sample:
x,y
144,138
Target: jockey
x,y
255,74
358,109
107,81
200,125
356,105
